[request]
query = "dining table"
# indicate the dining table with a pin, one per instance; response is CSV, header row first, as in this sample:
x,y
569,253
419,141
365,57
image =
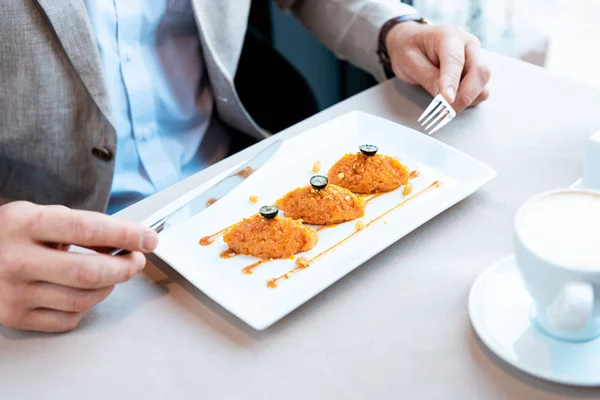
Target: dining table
x,y
396,327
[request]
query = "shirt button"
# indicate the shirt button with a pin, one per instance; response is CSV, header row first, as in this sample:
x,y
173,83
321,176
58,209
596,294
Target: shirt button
x,y
102,153
127,53
146,133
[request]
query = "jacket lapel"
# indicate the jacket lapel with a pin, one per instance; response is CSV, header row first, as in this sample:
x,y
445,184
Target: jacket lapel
x,y
222,25
71,24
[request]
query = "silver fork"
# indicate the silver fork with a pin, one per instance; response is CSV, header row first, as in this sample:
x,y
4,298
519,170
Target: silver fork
x,y
440,111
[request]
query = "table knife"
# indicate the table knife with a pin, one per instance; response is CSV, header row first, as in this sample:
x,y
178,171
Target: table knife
x,y
211,195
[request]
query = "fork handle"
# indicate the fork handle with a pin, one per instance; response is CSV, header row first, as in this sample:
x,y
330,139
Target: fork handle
x,y
119,252
158,226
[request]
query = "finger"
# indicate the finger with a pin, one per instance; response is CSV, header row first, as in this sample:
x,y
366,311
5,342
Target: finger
x,y
482,97
84,271
50,321
451,52
62,298
416,68
57,224
475,80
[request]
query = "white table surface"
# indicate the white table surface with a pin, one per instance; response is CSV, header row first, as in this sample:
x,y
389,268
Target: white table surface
x,y
395,328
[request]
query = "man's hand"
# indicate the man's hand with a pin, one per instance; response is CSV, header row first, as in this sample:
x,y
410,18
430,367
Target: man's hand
x,y
45,288
442,59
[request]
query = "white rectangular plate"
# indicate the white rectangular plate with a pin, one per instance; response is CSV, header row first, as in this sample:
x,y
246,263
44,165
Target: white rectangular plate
x,y
247,296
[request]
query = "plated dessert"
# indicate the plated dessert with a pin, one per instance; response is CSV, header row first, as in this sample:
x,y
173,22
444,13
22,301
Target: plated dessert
x,y
260,292
367,172
321,203
326,201
266,235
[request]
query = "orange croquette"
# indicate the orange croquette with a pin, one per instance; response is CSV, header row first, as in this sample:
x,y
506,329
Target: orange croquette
x,y
270,238
328,206
368,174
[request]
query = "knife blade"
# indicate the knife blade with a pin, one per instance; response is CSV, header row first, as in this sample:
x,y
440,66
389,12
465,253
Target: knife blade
x,y
211,195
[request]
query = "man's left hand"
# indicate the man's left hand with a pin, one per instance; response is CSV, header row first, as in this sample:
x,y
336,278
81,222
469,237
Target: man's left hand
x,y
441,59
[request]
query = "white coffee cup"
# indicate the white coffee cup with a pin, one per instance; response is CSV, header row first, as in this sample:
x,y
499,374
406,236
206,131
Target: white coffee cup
x,y
591,165
557,250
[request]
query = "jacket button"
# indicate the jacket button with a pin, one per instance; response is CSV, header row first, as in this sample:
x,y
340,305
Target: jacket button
x,y
102,153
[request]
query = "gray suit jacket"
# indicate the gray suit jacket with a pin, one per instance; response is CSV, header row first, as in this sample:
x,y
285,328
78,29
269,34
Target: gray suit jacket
x,y
57,141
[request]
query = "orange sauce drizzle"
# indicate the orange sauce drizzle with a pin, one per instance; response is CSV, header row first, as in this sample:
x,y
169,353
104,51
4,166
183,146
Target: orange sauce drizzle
x,y
228,254
373,197
272,283
407,189
250,268
323,227
435,184
210,239
210,202
253,199
413,174
244,173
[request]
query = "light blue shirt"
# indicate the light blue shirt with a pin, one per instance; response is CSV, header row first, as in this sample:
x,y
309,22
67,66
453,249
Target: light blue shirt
x,y
160,96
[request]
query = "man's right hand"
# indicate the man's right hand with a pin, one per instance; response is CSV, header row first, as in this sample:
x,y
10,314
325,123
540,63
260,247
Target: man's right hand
x,y
45,288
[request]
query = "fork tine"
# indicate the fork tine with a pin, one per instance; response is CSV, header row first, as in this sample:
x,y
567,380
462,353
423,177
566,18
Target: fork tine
x,y
439,109
441,115
444,122
438,112
434,104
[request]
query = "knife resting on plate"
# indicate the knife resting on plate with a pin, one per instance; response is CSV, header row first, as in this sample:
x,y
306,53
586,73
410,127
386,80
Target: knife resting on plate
x,y
211,195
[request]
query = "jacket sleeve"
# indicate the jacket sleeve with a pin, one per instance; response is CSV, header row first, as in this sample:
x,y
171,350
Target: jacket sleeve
x,y
350,28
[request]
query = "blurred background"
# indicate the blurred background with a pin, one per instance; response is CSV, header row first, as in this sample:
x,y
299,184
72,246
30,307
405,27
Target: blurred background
x,y
560,35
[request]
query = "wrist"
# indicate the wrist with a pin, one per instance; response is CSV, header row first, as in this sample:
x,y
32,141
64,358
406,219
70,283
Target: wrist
x,y
393,31
400,33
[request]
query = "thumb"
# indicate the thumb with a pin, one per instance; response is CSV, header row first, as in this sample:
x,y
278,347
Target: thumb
x,y
452,63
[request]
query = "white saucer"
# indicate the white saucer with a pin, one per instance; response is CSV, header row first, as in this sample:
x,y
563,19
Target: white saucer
x,y
576,184
499,309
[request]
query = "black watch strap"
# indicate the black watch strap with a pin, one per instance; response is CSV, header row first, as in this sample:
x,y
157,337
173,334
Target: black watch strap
x,y
382,52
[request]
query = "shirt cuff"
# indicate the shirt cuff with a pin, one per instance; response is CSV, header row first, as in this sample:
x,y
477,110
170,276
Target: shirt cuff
x,y
361,41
